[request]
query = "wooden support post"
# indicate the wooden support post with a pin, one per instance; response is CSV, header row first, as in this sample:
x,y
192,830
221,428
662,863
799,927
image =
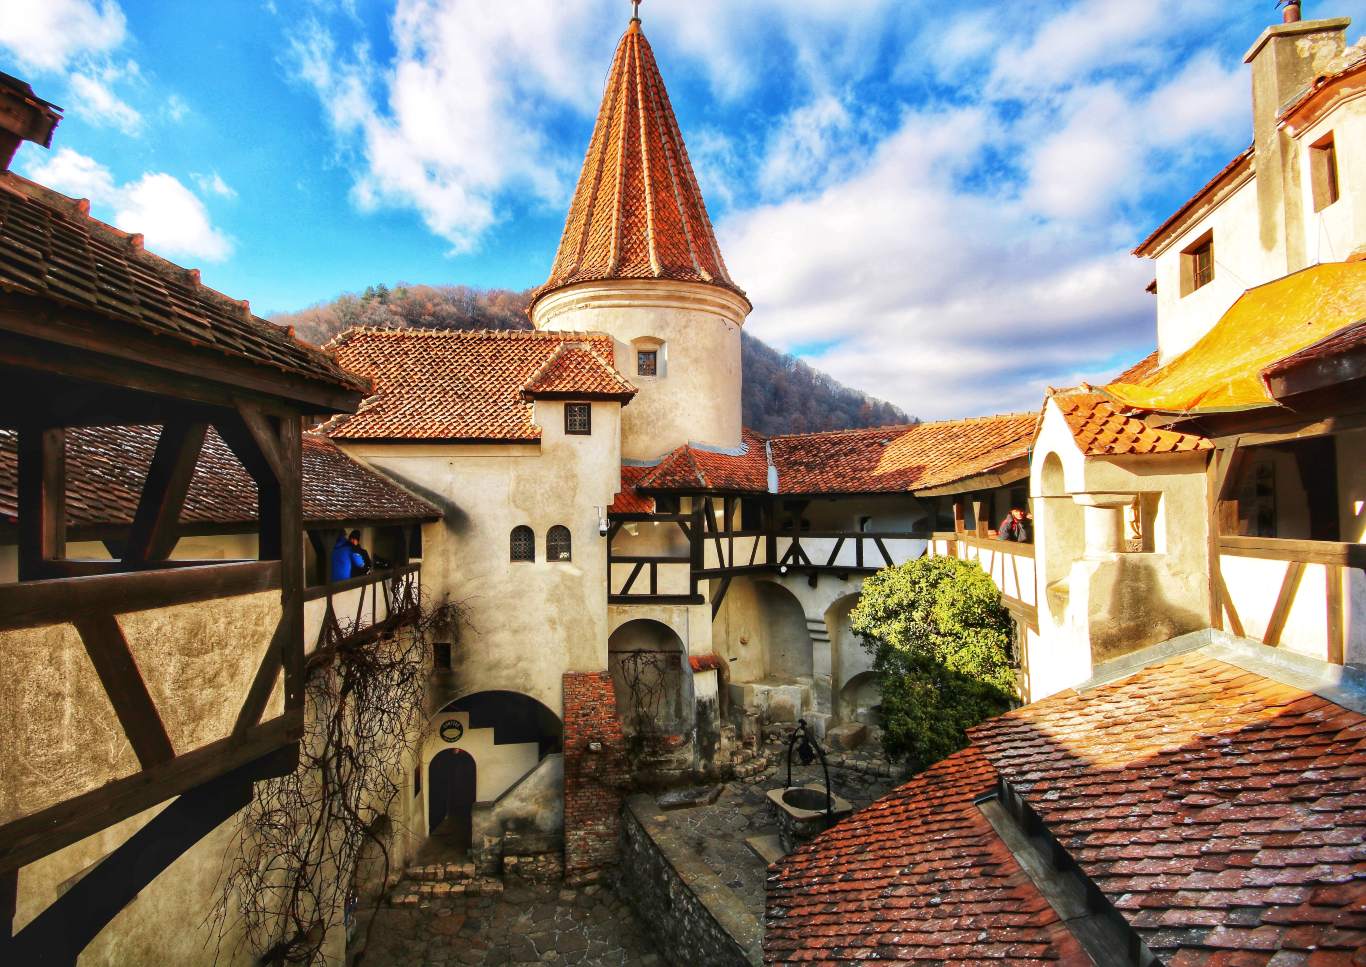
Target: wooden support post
x,y
1336,619
9,900
63,930
153,534
1224,470
42,500
959,523
1284,602
979,523
290,519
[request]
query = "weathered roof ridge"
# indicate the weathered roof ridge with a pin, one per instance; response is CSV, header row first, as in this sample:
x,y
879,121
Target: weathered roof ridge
x,y
130,244
902,427
638,211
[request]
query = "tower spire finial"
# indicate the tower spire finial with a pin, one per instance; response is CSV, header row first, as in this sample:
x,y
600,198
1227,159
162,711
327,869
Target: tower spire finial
x,y
635,11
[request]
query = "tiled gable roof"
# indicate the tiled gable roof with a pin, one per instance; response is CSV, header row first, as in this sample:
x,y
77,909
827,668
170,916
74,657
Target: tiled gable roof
x,y
1222,814
1217,809
918,876
468,385
1100,430
106,467
696,468
579,372
638,211
897,459
629,500
52,249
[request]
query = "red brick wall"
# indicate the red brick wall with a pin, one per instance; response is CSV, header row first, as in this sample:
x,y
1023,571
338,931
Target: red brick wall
x,y
594,781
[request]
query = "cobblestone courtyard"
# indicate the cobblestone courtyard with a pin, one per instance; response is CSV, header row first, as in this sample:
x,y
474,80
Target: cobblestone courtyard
x,y
526,924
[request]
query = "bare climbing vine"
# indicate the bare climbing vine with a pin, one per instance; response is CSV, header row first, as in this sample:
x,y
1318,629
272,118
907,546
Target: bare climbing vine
x,y
288,876
645,674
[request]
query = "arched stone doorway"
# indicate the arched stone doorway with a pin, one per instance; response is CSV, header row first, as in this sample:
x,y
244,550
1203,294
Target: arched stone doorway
x,y
849,660
789,653
451,793
646,660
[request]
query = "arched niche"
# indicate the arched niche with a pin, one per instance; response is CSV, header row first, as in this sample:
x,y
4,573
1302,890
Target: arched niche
x,y
647,659
860,699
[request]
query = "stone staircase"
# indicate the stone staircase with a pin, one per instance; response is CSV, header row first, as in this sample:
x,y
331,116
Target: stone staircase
x,y
425,883
748,764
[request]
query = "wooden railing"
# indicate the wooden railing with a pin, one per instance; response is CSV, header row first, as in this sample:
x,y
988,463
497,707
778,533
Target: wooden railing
x,y
360,609
1010,564
1304,604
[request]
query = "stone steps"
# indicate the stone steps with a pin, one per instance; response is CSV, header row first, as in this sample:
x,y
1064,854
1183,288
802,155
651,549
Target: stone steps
x,y
410,893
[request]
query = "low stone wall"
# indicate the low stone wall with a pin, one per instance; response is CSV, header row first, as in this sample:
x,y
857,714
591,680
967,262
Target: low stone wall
x,y
695,916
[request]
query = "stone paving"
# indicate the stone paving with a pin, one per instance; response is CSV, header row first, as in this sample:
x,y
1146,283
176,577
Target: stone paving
x,y
718,832
526,924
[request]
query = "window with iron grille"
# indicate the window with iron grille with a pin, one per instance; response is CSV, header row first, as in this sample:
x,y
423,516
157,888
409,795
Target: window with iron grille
x,y
647,362
558,544
578,419
523,544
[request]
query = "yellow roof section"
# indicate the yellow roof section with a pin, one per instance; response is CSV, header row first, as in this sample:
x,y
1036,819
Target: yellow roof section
x,y
1223,371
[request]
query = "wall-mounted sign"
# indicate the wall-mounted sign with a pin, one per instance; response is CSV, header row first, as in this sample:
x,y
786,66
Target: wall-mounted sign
x,y
452,730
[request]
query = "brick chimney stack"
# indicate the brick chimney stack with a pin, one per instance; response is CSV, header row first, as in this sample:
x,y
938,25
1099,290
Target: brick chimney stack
x,y
23,117
1285,61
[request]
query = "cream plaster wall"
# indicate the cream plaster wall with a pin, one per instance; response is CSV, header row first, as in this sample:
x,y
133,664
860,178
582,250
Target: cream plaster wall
x,y
497,767
529,623
696,399
1331,235
1095,605
1240,264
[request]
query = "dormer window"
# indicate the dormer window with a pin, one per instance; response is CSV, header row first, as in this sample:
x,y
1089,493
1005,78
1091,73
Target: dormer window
x,y
647,362
578,419
1323,172
1197,264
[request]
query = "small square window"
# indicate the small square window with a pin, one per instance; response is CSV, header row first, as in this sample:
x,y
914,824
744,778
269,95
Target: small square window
x,y
1323,173
578,419
647,362
1197,265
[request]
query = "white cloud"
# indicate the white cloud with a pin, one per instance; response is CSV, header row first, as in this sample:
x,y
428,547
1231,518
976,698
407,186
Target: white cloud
x,y
213,184
98,104
45,35
805,147
171,218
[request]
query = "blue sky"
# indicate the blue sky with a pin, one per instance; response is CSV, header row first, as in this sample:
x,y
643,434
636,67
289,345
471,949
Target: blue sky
x,y
933,202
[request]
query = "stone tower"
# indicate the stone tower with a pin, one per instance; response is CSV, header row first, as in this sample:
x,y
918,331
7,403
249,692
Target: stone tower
x,y
639,261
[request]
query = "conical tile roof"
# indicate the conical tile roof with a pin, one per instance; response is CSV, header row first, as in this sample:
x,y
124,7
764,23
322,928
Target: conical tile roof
x,y
638,212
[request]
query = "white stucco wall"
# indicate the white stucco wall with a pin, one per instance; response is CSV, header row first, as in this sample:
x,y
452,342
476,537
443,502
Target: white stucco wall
x,y
1331,235
696,397
529,623
1240,264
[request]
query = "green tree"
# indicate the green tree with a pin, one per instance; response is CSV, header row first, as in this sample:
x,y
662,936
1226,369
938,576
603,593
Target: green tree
x,y
940,641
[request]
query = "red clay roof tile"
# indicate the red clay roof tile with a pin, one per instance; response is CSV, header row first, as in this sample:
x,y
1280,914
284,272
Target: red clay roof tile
x,y
106,467
918,876
1100,430
52,249
1222,813
695,468
445,385
638,211
629,500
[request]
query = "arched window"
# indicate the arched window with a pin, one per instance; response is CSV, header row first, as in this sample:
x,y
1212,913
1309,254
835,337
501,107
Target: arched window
x,y
523,544
557,544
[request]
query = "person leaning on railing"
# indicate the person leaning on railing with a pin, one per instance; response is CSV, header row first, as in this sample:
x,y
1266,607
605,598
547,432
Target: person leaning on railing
x,y
1017,526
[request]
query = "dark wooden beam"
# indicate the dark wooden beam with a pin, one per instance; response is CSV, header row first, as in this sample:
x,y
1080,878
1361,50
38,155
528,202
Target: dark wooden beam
x,y
25,840
153,534
122,681
42,499
34,603
262,683
1284,602
720,596
64,929
9,901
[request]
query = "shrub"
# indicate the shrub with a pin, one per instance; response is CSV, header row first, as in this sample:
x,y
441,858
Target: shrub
x,y
940,641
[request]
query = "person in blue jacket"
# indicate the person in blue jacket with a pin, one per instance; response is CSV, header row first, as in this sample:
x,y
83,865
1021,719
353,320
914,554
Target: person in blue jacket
x,y
348,560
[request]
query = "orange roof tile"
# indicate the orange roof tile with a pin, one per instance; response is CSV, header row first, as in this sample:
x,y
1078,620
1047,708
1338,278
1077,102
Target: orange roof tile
x,y
638,212
50,248
696,468
468,386
1222,814
918,876
897,459
629,500
107,466
1100,430
1218,810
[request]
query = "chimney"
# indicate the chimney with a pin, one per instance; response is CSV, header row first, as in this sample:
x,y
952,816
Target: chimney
x,y
23,117
1285,60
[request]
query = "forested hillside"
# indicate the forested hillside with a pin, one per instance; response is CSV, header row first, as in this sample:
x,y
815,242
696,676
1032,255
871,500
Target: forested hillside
x,y
782,394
